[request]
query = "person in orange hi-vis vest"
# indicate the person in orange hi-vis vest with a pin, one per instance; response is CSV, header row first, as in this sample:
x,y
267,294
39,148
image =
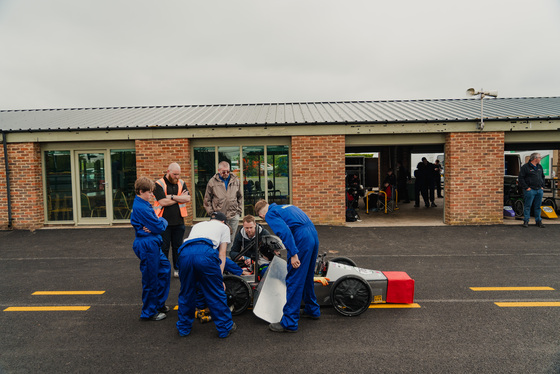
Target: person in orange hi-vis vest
x,y
172,196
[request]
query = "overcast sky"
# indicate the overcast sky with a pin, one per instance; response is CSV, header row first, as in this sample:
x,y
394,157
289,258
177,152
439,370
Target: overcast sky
x,y
82,53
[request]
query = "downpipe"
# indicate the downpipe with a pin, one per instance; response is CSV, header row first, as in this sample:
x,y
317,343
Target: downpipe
x,y
8,194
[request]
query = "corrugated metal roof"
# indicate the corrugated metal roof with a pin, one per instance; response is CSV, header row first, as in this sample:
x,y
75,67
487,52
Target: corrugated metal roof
x,y
347,112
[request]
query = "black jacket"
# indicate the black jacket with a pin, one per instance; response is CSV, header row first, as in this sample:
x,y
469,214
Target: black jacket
x,y
531,176
242,244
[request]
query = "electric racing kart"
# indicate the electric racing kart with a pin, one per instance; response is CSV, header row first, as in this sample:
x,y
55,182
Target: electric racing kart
x,y
338,282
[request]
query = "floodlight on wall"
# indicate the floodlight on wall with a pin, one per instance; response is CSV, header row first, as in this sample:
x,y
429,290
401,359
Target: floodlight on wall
x,y
483,94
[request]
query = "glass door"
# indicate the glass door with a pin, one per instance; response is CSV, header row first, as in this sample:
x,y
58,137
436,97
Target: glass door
x,y
92,186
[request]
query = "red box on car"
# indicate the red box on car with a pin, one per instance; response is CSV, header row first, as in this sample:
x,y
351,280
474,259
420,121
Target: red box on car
x,y
400,287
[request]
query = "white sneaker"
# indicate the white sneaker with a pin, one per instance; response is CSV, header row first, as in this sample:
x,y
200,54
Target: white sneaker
x,y
176,274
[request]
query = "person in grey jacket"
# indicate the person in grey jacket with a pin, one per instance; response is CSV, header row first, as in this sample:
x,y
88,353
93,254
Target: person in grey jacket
x,y
223,194
531,181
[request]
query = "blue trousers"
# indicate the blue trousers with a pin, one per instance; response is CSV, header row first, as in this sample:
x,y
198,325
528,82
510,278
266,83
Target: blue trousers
x,y
156,272
199,265
532,197
299,282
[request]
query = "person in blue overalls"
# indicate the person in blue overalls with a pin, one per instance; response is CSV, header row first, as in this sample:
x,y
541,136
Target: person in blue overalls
x,y
299,236
202,259
154,265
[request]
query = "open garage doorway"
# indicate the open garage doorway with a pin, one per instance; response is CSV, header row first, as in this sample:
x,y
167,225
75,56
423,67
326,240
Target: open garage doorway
x,y
369,170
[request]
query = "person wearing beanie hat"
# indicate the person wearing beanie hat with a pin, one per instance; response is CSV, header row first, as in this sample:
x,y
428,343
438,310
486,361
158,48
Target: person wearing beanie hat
x,y
202,259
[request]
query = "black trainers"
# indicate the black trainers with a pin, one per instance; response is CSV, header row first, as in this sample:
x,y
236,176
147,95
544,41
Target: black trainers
x,y
540,224
434,205
277,327
305,315
164,309
525,224
231,331
155,317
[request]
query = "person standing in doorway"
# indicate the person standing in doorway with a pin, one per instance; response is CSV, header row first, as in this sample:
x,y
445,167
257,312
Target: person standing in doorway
x,y
172,196
403,177
437,177
223,194
531,181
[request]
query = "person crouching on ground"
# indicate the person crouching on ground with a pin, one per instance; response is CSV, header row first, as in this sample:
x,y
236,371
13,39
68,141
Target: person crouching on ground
x,y
202,259
154,265
300,238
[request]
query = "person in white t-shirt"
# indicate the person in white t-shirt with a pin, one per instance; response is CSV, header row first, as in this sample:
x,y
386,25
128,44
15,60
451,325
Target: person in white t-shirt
x,y
201,262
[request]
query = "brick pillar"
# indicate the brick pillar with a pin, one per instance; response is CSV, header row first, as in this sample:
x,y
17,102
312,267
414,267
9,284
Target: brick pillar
x,y
153,156
26,187
474,178
318,177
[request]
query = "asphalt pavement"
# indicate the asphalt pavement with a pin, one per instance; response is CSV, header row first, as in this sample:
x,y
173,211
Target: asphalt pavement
x,y
455,329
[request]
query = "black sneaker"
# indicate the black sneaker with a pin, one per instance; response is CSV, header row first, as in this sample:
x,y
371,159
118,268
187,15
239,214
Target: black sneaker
x,y
231,331
434,205
525,224
540,224
155,317
164,309
305,315
277,327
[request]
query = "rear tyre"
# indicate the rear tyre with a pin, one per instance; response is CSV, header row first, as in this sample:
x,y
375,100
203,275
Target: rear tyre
x,y
239,294
351,295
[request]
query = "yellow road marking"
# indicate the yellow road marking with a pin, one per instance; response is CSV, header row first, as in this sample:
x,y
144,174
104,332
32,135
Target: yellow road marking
x,y
512,288
393,306
528,304
45,308
68,293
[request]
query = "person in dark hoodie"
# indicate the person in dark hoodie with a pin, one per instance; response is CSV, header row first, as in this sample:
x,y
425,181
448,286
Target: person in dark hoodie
x,y
243,247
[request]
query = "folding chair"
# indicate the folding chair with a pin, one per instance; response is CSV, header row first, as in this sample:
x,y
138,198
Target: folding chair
x,y
387,201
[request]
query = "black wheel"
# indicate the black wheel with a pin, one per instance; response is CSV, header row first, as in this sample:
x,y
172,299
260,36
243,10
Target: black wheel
x,y
238,292
549,202
351,295
509,202
518,208
343,261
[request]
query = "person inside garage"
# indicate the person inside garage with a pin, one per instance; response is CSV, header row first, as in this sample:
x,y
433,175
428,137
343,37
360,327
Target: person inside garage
x,y
154,265
531,181
300,238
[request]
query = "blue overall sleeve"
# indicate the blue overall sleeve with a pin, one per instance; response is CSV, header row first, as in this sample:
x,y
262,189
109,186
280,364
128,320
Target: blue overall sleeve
x,y
232,267
143,215
280,228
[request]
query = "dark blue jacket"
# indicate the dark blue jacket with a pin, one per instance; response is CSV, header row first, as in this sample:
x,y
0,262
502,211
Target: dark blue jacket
x,y
531,176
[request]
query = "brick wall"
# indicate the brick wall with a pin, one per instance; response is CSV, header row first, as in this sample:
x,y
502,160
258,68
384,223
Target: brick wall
x,y
474,173
26,186
154,156
318,177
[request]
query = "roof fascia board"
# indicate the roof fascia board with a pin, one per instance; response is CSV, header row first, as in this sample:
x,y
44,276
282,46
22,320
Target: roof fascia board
x,y
281,130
